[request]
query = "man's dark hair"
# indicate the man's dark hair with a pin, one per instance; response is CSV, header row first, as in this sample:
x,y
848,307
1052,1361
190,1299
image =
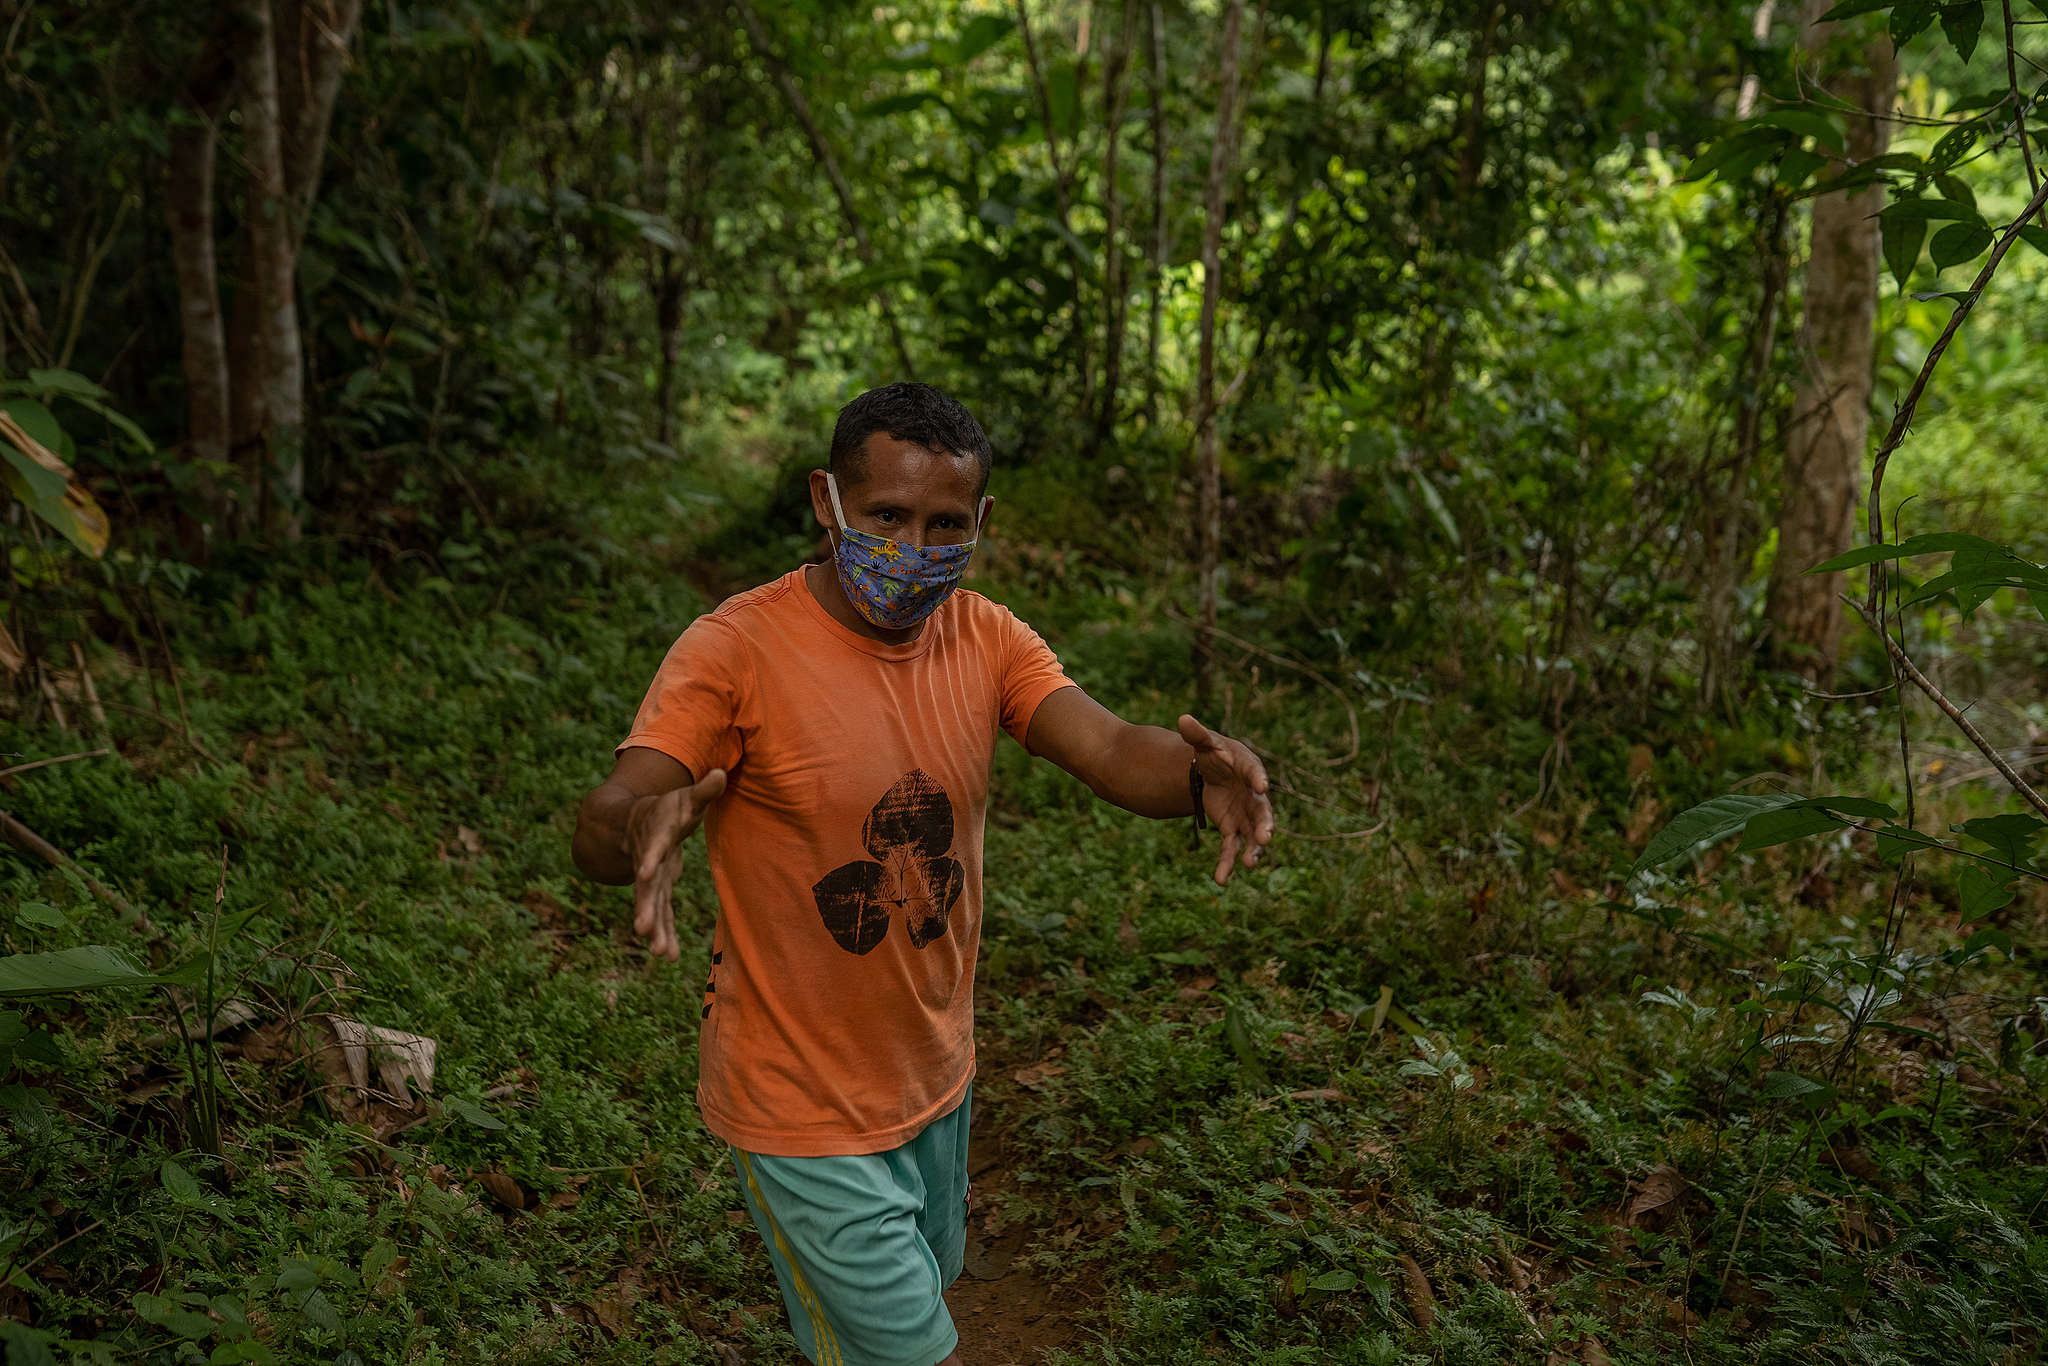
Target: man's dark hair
x,y
917,413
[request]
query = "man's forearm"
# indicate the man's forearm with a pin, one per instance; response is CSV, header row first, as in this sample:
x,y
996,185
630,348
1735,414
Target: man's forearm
x,y
1146,771
600,844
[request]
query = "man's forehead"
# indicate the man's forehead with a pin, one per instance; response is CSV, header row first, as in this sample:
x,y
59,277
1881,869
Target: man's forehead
x,y
893,466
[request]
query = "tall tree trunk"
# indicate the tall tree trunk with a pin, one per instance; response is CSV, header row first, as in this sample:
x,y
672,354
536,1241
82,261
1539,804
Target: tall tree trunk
x,y
1114,91
1830,421
1158,272
189,203
793,94
272,240
313,39
668,321
1210,502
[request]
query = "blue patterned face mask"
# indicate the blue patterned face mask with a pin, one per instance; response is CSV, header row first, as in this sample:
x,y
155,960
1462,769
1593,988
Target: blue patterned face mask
x,y
892,584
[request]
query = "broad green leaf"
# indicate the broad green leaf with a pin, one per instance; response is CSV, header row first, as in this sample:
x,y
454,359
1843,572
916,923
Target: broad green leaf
x,y
1961,23
1990,937
1957,243
1065,94
1334,1281
1849,9
39,913
1932,543
1902,238
81,969
2010,837
483,1119
1708,823
1807,123
1240,1037
1768,828
181,1185
1954,145
1910,18
66,382
1783,1085
1982,892
1868,807
1956,188
1894,842
983,32
1905,210
2035,236
1714,157
44,483
1796,165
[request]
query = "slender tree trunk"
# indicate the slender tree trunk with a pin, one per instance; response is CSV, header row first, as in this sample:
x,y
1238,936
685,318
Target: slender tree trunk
x,y
1114,92
313,43
1830,421
668,309
1759,29
272,240
793,94
1158,272
1733,539
1210,501
189,202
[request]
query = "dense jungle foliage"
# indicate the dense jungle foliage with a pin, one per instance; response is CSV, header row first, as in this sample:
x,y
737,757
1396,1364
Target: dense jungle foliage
x,y
1448,400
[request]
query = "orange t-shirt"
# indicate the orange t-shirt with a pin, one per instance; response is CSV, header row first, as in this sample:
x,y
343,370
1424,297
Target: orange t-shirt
x,y
846,853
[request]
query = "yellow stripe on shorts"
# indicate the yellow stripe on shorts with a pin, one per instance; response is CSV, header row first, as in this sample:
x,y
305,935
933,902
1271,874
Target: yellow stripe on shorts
x,y
821,1331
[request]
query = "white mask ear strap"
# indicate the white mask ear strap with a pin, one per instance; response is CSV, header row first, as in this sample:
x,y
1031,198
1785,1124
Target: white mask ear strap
x,y
832,487
981,517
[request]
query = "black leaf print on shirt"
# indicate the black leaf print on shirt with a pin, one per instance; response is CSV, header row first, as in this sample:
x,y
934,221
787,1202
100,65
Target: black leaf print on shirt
x,y
909,832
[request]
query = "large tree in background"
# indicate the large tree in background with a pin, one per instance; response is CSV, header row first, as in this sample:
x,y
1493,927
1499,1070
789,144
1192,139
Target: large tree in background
x,y
245,383
1830,422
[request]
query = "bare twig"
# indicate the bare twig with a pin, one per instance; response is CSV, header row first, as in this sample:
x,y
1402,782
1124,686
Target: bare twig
x,y
29,842
55,759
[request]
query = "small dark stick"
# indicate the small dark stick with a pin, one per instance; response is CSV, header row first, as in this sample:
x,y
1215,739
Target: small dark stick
x,y
1195,793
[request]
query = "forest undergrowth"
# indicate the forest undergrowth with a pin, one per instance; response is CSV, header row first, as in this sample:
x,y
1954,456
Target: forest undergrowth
x,y
1438,1082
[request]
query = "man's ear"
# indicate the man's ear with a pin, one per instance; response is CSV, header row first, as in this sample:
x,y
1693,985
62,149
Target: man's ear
x,y
821,503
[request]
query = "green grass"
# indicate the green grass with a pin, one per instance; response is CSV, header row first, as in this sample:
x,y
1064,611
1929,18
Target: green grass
x,y
1233,1163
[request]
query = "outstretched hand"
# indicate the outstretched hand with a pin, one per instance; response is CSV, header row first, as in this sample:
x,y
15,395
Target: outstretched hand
x,y
1233,795
655,830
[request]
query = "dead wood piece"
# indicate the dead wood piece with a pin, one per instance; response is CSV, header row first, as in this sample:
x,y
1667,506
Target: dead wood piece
x,y
28,841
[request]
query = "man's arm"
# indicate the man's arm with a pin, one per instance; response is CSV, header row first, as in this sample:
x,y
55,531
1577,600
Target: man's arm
x,y
631,828
1145,769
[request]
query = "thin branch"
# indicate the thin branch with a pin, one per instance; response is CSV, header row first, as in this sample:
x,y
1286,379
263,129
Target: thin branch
x,y
1949,709
58,759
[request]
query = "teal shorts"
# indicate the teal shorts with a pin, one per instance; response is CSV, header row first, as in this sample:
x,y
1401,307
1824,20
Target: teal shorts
x,y
864,1246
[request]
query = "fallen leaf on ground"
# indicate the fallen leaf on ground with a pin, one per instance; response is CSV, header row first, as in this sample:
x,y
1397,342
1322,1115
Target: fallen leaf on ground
x,y
1032,1075
1661,1187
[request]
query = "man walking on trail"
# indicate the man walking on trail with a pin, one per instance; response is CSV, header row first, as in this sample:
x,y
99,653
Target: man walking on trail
x,y
832,731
